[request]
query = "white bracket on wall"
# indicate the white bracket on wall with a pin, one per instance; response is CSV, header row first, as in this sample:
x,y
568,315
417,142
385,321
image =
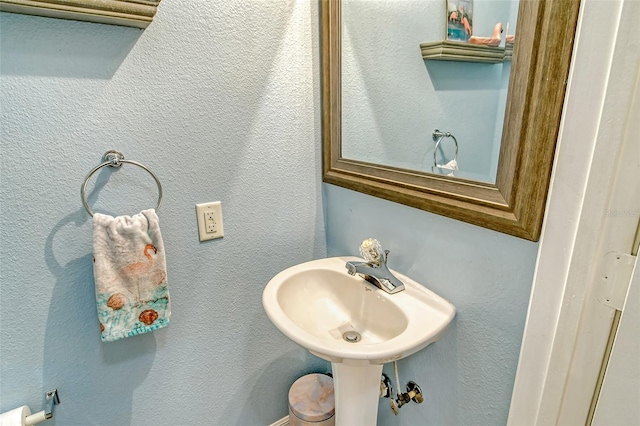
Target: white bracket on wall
x,y
616,275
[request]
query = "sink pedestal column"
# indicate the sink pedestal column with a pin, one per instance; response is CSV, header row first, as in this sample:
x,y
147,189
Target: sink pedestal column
x,y
356,389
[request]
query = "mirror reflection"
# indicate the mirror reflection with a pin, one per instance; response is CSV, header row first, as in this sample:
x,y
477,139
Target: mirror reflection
x,y
393,100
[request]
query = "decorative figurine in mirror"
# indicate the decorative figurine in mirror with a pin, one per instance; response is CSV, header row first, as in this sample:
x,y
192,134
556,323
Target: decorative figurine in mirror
x,y
459,20
494,40
130,13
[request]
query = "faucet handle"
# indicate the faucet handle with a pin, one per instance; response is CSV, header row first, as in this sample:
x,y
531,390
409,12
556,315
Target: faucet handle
x,y
371,251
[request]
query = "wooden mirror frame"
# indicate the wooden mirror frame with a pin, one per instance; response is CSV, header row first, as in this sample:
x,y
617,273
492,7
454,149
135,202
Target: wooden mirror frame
x,y
515,203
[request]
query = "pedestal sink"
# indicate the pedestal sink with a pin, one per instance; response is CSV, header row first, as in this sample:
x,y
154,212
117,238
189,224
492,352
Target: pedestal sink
x,y
354,325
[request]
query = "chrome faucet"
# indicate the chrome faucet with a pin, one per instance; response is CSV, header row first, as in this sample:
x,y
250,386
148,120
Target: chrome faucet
x,y
374,269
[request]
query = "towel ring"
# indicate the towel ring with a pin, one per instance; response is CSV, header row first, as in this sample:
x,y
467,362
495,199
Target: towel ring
x,y
438,136
114,158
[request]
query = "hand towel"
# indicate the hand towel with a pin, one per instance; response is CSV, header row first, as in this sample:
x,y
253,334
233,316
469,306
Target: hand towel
x,y
129,270
451,165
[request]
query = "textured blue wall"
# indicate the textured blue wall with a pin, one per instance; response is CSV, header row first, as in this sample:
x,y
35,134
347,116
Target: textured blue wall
x,y
221,100
467,376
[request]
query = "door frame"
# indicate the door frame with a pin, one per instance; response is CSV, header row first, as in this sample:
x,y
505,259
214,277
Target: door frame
x,y
567,327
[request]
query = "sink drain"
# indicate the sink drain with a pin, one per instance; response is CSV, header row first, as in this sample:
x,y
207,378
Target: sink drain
x,y
352,336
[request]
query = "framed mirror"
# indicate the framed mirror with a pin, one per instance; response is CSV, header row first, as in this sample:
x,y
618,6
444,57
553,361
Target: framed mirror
x,y
514,203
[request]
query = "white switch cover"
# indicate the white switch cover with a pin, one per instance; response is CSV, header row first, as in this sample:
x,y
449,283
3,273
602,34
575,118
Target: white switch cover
x,y
210,220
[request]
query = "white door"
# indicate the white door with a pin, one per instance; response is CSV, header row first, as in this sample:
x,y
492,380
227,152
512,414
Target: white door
x,y
579,289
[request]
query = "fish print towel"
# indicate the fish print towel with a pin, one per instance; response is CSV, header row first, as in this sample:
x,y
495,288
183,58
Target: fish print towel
x,y
130,274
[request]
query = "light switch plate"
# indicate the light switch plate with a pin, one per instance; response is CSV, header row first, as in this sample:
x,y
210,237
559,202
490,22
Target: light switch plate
x,y
210,220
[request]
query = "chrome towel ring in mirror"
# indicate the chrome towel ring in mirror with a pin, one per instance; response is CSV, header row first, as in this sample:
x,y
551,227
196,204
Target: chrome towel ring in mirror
x,y
438,136
114,158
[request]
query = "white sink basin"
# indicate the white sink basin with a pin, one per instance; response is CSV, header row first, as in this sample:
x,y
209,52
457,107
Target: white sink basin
x,y
316,303
320,306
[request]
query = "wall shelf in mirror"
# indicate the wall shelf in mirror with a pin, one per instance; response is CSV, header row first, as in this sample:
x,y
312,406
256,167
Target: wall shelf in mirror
x,y
446,50
130,13
508,52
